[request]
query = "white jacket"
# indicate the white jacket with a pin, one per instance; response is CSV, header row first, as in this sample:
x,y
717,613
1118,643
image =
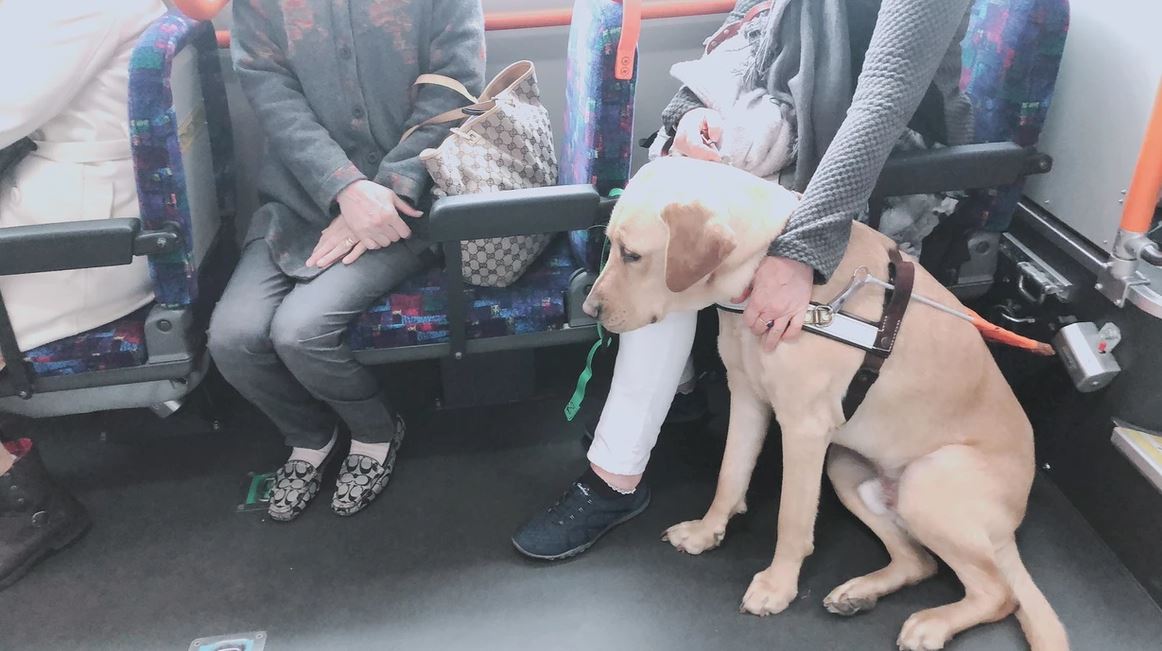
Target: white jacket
x,y
64,82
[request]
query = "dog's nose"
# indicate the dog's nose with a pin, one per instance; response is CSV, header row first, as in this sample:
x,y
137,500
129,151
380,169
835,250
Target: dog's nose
x,y
592,308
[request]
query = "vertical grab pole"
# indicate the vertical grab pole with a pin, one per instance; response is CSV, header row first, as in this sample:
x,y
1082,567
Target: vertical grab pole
x,y
1142,196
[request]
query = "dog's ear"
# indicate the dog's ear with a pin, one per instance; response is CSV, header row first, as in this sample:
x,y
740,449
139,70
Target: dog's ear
x,y
698,244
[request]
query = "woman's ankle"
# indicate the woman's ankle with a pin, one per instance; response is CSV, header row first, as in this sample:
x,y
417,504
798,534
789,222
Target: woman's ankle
x,y
624,484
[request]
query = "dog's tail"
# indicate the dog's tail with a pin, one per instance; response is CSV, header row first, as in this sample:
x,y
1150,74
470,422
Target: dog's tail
x,y
1041,626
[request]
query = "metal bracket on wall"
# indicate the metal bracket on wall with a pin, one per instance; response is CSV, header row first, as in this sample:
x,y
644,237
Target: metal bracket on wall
x,y
1139,287
1127,273
1036,279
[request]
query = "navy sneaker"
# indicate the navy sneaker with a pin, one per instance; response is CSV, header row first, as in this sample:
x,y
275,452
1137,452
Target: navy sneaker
x,y
579,518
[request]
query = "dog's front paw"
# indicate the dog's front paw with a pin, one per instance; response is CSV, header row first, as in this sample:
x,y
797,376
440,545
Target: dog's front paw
x,y
767,595
695,536
926,630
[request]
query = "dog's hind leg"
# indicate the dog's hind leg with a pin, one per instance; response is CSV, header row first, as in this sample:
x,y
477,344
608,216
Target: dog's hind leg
x,y
910,562
954,506
749,417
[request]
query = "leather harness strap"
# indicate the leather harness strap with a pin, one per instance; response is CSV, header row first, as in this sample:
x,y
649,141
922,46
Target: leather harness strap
x,y
902,275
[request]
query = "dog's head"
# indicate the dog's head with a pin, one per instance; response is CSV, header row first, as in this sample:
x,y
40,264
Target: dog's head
x,y
684,235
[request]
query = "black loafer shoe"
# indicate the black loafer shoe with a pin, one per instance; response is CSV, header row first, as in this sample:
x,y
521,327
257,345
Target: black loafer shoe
x,y
362,479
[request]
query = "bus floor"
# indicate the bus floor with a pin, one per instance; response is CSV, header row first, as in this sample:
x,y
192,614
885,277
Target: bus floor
x,y
429,565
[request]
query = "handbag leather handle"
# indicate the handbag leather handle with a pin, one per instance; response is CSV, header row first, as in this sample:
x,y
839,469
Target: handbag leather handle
x,y
631,30
450,116
506,79
455,86
446,82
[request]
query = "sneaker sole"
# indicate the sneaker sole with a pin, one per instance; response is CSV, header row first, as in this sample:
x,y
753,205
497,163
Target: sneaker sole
x,y
585,547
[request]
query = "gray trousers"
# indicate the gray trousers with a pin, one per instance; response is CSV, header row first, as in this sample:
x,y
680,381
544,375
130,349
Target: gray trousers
x,y
282,343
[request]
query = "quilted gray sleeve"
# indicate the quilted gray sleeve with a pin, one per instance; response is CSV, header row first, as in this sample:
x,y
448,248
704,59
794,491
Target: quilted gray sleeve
x,y
909,43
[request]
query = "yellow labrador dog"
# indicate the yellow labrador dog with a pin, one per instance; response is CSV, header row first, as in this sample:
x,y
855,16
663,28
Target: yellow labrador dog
x,y
939,457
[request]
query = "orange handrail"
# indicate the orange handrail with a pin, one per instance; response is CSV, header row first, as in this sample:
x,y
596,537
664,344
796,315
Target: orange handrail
x,y
502,20
1142,196
560,17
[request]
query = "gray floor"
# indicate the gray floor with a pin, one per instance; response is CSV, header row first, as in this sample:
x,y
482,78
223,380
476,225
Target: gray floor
x,y
430,567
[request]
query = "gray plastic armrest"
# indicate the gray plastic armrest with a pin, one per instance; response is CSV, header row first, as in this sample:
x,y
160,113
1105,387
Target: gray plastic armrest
x,y
67,245
513,212
964,167
78,245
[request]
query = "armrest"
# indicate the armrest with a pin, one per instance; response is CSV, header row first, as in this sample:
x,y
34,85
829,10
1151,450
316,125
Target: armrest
x,y
513,212
78,245
964,167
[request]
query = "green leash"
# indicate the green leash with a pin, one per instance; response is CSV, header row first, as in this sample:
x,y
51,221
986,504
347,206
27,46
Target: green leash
x,y
603,341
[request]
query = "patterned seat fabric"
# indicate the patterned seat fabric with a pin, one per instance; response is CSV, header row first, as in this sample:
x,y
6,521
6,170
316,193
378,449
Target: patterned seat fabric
x,y
417,311
161,186
599,119
114,345
1012,52
157,143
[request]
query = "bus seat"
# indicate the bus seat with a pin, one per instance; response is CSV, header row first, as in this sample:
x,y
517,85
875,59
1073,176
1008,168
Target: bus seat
x,y
598,144
435,314
1011,54
182,155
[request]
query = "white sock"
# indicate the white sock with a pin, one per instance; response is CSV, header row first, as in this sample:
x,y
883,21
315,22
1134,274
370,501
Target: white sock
x,y
377,451
621,490
314,457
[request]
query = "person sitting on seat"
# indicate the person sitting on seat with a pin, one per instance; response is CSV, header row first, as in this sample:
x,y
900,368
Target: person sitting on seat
x,y
65,66
802,62
331,83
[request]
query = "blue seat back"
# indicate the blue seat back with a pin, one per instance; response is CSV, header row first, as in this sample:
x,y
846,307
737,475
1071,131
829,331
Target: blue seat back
x,y
1012,53
599,116
182,148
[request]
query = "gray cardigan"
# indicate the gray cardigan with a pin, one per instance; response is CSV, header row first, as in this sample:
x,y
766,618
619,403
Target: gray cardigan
x,y
331,82
913,50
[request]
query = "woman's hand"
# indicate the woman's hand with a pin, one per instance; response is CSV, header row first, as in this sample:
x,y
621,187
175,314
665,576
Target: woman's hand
x,y
779,300
337,241
698,133
372,212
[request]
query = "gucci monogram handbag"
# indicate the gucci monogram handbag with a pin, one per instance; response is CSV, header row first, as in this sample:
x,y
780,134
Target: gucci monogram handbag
x,y
505,142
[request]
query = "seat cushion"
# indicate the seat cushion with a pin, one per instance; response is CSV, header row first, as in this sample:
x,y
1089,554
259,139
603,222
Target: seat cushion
x,y
417,311
119,344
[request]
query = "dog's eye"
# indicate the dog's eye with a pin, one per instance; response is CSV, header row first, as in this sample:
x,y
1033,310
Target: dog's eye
x,y
629,256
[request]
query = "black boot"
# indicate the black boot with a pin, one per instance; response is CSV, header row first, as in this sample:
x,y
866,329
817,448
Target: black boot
x,y
37,517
